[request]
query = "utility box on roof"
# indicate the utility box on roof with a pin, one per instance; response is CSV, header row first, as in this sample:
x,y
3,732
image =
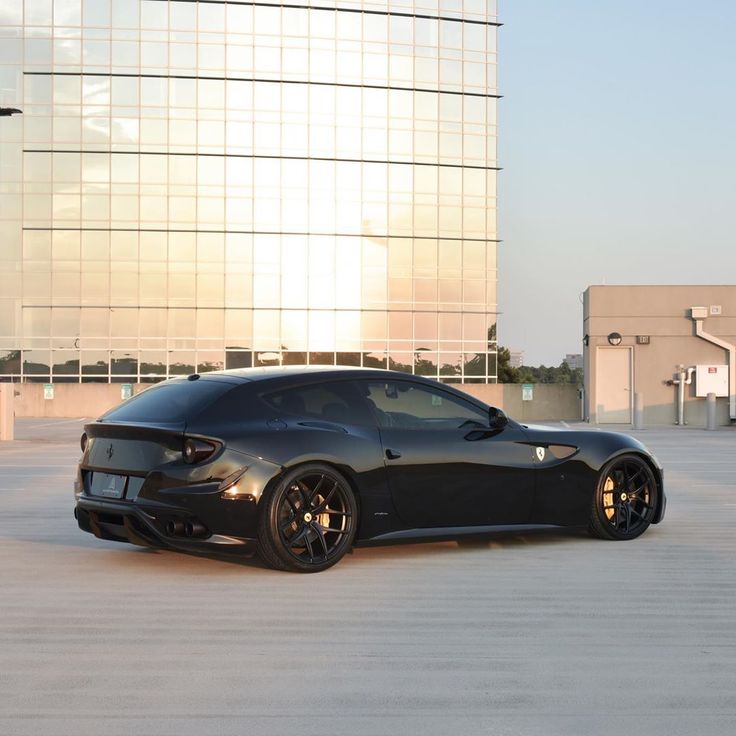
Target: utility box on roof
x,y
711,379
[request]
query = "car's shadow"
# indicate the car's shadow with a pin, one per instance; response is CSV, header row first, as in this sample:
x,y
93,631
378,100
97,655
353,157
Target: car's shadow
x,y
193,562
415,549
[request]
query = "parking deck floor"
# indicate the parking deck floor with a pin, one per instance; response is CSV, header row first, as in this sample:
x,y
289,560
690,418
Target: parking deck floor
x,y
531,634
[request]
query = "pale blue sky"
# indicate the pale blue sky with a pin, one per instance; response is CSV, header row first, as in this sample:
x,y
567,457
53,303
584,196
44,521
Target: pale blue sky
x,y
618,142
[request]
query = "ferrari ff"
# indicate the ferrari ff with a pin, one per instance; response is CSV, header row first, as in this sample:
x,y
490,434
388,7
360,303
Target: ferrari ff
x,y
303,463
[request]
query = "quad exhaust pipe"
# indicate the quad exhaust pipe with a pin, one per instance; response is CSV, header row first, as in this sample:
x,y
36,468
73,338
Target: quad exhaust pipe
x,y
174,528
191,529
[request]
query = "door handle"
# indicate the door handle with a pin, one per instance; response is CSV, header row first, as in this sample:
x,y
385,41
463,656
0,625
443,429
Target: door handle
x,y
392,454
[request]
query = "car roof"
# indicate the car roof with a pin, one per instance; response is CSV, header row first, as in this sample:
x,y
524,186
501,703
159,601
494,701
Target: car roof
x,y
279,374
285,371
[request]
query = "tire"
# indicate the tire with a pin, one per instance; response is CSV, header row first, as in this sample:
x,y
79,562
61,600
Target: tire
x,y
625,499
308,519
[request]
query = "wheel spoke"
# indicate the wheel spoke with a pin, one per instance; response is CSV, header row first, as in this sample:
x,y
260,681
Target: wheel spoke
x,y
639,489
309,545
330,530
638,473
326,500
335,512
315,491
298,537
639,497
321,537
303,491
287,524
293,508
627,516
638,513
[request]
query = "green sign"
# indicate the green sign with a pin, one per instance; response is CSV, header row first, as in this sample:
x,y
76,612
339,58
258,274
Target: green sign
x,y
527,392
48,391
126,391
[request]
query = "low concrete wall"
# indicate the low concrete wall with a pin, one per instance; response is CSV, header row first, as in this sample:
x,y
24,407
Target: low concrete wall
x,y
551,401
76,400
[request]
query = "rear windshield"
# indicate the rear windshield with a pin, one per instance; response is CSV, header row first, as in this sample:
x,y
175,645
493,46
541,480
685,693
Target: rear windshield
x,y
169,402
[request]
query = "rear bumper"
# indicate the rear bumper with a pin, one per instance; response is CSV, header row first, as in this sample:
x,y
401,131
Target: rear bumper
x,y
146,524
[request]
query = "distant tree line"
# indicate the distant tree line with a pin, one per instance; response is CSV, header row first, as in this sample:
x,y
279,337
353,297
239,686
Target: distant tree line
x,y
536,374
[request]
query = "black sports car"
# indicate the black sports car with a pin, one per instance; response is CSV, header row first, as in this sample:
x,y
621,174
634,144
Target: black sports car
x,y
303,463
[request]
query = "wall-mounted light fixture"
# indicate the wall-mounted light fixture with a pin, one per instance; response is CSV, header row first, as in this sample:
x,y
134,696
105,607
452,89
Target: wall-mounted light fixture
x,y
614,338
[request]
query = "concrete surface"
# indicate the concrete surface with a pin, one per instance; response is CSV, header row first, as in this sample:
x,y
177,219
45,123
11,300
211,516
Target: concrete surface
x,y
538,635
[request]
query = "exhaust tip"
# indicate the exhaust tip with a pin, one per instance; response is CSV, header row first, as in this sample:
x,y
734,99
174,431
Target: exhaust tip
x,y
175,528
194,529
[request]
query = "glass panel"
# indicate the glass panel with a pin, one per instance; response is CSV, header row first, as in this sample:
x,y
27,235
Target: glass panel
x,y
321,358
268,357
474,364
153,362
238,359
210,361
95,362
95,322
293,357
124,362
450,364
10,361
66,362
425,363
181,362
375,360
36,362
403,362
351,359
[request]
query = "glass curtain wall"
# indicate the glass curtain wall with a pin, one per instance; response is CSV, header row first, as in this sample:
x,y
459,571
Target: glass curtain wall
x,y
203,185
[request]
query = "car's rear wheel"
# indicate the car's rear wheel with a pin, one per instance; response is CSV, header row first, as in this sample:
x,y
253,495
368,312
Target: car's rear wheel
x,y
626,498
308,519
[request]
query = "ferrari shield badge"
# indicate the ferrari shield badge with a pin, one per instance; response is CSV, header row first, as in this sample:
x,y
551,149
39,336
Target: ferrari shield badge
x,y
540,453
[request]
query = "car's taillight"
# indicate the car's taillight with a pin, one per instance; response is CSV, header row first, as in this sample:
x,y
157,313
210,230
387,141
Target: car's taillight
x,y
83,441
197,450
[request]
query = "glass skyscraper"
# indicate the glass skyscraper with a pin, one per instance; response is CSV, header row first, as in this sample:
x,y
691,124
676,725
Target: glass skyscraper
x,y
205,185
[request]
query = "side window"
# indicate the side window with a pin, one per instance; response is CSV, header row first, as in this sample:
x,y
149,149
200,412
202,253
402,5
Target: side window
x,y
407,405
330,402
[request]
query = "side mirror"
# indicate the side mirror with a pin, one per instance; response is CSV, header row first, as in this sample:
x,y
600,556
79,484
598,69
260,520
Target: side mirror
x,y
496,418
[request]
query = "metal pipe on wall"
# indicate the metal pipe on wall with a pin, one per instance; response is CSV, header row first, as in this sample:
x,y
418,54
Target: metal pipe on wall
x,y
684,378
698,315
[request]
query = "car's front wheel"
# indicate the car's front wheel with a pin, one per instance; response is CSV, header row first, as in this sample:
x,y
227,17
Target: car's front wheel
x,y
308,519
625,500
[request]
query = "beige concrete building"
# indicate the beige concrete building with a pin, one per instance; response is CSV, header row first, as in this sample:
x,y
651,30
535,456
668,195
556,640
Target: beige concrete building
x,y
646,340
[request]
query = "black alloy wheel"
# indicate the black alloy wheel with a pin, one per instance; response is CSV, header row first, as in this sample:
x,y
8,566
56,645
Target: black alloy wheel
x,y
625,500
308,521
